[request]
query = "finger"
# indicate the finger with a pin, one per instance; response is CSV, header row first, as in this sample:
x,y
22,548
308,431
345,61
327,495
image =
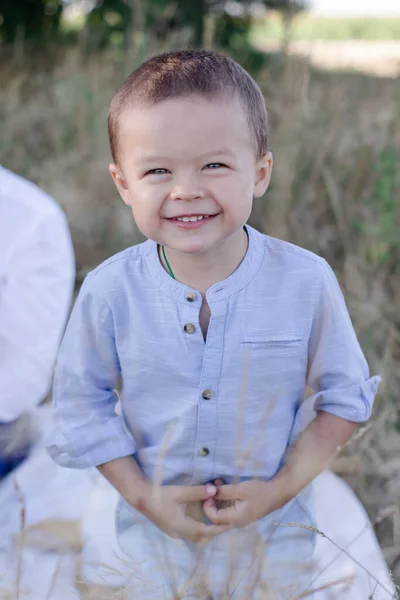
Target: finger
x,y
211,502
222,517
228,492
195,511
197,492
196,532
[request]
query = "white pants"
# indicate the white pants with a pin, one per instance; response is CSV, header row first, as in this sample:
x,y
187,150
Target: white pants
x,y
338,514
241,564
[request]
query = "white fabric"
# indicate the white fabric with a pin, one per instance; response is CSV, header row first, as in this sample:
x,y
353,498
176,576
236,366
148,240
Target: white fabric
x,y
50,494
37,272
343,519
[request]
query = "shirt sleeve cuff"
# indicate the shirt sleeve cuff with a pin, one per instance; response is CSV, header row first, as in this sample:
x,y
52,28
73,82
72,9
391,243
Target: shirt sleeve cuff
x,y
351,403
94,447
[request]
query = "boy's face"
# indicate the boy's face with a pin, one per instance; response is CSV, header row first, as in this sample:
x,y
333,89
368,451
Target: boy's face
x,y
189,157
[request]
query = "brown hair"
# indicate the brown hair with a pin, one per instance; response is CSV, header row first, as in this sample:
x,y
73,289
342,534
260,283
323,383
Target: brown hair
x,y
185,72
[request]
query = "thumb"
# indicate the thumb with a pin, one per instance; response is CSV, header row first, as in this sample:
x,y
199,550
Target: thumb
x,y
194,493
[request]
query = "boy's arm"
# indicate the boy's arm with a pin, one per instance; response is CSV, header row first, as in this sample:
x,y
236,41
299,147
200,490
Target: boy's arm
x,y
128,479
87,429
313,452
344,392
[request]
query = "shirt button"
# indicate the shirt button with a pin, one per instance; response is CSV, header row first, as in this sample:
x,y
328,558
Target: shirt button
x,y
191,296
207,394
189,328
204,452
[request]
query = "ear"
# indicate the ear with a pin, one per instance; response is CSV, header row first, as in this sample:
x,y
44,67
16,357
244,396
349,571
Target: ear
x,y
120,182
263,174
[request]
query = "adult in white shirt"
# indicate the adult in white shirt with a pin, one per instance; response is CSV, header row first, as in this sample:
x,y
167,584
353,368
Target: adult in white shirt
x,y
37,273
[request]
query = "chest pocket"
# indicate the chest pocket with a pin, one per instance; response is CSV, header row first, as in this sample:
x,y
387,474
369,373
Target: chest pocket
x,y
273,345
276,364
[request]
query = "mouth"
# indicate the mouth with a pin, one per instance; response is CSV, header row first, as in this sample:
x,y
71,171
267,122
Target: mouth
x,y
191,218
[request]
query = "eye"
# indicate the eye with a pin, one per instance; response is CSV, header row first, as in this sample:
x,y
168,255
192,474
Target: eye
x,y
157,172
212,166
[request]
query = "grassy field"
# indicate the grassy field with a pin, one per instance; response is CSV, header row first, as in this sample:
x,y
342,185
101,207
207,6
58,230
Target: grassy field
x,y
308,27
335,190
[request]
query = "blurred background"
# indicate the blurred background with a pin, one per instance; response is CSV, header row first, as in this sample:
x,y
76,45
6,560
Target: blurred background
x,y
329,70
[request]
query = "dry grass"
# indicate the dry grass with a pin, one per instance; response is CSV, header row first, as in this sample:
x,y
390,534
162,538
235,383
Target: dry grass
x,y
310,26
335,190
381,59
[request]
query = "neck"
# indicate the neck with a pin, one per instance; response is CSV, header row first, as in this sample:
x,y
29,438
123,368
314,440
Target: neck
x,y
202,270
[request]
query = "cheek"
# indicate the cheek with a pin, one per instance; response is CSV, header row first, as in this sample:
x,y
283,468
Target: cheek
x,y
237,193
145,199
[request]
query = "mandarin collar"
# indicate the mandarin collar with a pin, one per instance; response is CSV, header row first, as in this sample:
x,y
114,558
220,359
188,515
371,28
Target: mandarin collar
x,y
221,290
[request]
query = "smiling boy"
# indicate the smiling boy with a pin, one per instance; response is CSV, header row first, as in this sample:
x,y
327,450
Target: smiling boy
x,y
215,331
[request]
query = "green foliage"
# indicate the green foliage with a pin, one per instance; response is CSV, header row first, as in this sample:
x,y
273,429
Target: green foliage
x,y
382,229
232,33
112,22
29,19
162,17
286,6
109,21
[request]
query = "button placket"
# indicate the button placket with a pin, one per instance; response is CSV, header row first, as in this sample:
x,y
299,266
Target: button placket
x,y
191,298
208,394
191,333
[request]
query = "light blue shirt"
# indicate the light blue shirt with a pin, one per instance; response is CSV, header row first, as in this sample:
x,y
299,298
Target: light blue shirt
x,y
192,409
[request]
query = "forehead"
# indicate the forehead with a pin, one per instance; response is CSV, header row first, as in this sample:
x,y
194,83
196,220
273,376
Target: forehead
x,y
186,127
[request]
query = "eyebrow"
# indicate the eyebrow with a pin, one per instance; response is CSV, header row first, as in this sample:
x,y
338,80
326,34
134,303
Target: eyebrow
x,y
159,159
151,159
219,152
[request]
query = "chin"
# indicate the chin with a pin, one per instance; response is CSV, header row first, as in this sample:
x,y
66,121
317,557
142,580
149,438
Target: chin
x,y
193,248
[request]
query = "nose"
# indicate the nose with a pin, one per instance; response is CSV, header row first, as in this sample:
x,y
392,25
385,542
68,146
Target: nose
x,y
187,192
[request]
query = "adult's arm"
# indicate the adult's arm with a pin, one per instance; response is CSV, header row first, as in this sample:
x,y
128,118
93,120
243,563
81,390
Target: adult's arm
x,y
35,297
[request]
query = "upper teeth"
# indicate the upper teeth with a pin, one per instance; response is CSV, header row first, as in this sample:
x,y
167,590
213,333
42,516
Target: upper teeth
x,y
194,218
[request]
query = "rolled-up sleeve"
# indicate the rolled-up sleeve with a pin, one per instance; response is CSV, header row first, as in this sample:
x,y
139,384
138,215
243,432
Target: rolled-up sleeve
x,y
337,369
87,430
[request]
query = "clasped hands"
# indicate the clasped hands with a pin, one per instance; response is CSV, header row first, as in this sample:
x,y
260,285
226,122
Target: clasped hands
x,y
179,510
